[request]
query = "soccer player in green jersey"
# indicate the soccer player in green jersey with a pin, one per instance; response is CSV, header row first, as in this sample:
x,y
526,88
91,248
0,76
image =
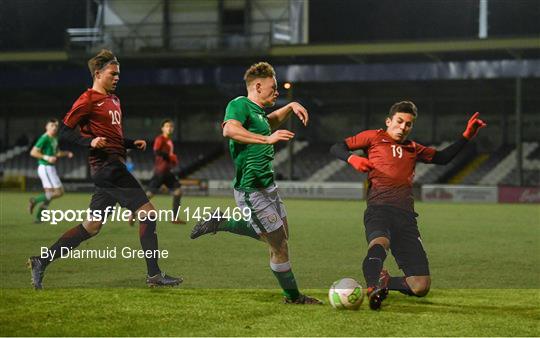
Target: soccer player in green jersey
x,y
47,152
252,134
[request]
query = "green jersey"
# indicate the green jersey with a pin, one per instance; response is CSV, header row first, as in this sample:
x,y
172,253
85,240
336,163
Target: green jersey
x,y
48,146
253,162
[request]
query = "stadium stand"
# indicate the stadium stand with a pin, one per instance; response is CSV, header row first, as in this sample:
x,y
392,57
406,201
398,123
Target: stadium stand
x,y
17,161
531,165
308,159
222,167
494,158
12,152
192,155
502,171
312,162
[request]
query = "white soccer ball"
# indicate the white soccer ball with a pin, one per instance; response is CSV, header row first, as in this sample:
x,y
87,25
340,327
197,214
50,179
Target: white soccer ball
x,y
346,293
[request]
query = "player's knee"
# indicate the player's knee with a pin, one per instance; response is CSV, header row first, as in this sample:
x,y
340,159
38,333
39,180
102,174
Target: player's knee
x,y
279,256
280,251
58,193
420,288
420,291
92,227
383,241
145,208
177,192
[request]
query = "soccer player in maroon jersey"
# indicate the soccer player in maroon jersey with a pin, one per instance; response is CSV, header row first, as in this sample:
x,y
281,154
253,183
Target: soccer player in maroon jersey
x,y
98,114
165,161
389,219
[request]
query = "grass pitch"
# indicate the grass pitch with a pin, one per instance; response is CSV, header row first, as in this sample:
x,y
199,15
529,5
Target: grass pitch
x,y
484,262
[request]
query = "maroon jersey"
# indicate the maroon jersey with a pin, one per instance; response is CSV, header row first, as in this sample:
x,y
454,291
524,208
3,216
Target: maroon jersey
x,y
99,115
163,144
390,182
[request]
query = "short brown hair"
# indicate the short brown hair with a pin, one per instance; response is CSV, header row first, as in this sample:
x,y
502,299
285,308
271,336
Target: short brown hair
x,y
166,121
259,70
403,107
104,58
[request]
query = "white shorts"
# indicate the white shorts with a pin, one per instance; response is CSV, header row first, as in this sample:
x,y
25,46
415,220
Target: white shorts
x,y
267,208
49,177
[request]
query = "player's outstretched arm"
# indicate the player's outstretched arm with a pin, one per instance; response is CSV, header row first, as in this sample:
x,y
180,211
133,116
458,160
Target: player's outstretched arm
x,y
446,155
341,151
62,153
278,116
233,129
359,163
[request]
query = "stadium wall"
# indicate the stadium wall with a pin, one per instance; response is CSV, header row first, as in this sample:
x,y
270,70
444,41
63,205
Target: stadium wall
x,y
429,192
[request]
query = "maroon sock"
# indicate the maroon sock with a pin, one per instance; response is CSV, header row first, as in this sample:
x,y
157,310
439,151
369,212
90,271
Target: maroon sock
x,y
373,264
149,241
176,203
400,284
69,240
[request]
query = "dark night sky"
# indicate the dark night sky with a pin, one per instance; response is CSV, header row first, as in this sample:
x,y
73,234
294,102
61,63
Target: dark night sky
x,y
38,24
368,20
41,24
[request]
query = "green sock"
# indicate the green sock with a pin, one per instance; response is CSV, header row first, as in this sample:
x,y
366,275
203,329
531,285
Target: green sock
x,y
40,198
40,210
240,227
288,284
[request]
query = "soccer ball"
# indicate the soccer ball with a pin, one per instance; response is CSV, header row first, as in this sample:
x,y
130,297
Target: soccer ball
x,y
346,293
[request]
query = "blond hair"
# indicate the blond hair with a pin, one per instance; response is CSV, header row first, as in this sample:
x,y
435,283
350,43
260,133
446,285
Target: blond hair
x,y
104,58
257,71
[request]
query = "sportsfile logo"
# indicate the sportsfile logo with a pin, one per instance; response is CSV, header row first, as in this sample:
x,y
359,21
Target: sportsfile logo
x,y
124,215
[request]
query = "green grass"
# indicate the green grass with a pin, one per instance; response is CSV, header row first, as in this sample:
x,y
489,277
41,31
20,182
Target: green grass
x,y
484,262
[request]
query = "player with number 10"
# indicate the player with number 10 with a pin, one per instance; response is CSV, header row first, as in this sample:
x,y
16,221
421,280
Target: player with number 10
x,y
98,115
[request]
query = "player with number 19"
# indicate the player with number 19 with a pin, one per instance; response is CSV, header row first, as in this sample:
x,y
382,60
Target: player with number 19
x,y
390,219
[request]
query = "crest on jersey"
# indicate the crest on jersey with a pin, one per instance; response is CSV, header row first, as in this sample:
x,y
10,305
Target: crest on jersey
x,y
115,101
272,218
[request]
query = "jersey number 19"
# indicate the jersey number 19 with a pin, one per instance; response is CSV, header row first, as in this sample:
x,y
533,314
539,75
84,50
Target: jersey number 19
x,y
396,150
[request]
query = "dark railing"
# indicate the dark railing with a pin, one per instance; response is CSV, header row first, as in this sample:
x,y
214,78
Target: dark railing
x,y
194,36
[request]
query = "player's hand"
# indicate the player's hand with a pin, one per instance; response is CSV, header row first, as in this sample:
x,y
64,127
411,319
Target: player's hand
x,y
279,135
300,112
173,159
69,154
140,144
473,126
50,159
360,163
98,142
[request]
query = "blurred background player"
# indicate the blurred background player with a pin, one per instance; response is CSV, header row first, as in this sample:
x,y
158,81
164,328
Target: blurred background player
x,y
390,219
251,144
47,152
164,163
98,114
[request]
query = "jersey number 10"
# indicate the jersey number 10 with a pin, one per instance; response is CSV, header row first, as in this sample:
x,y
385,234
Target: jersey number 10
x,y
397,150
